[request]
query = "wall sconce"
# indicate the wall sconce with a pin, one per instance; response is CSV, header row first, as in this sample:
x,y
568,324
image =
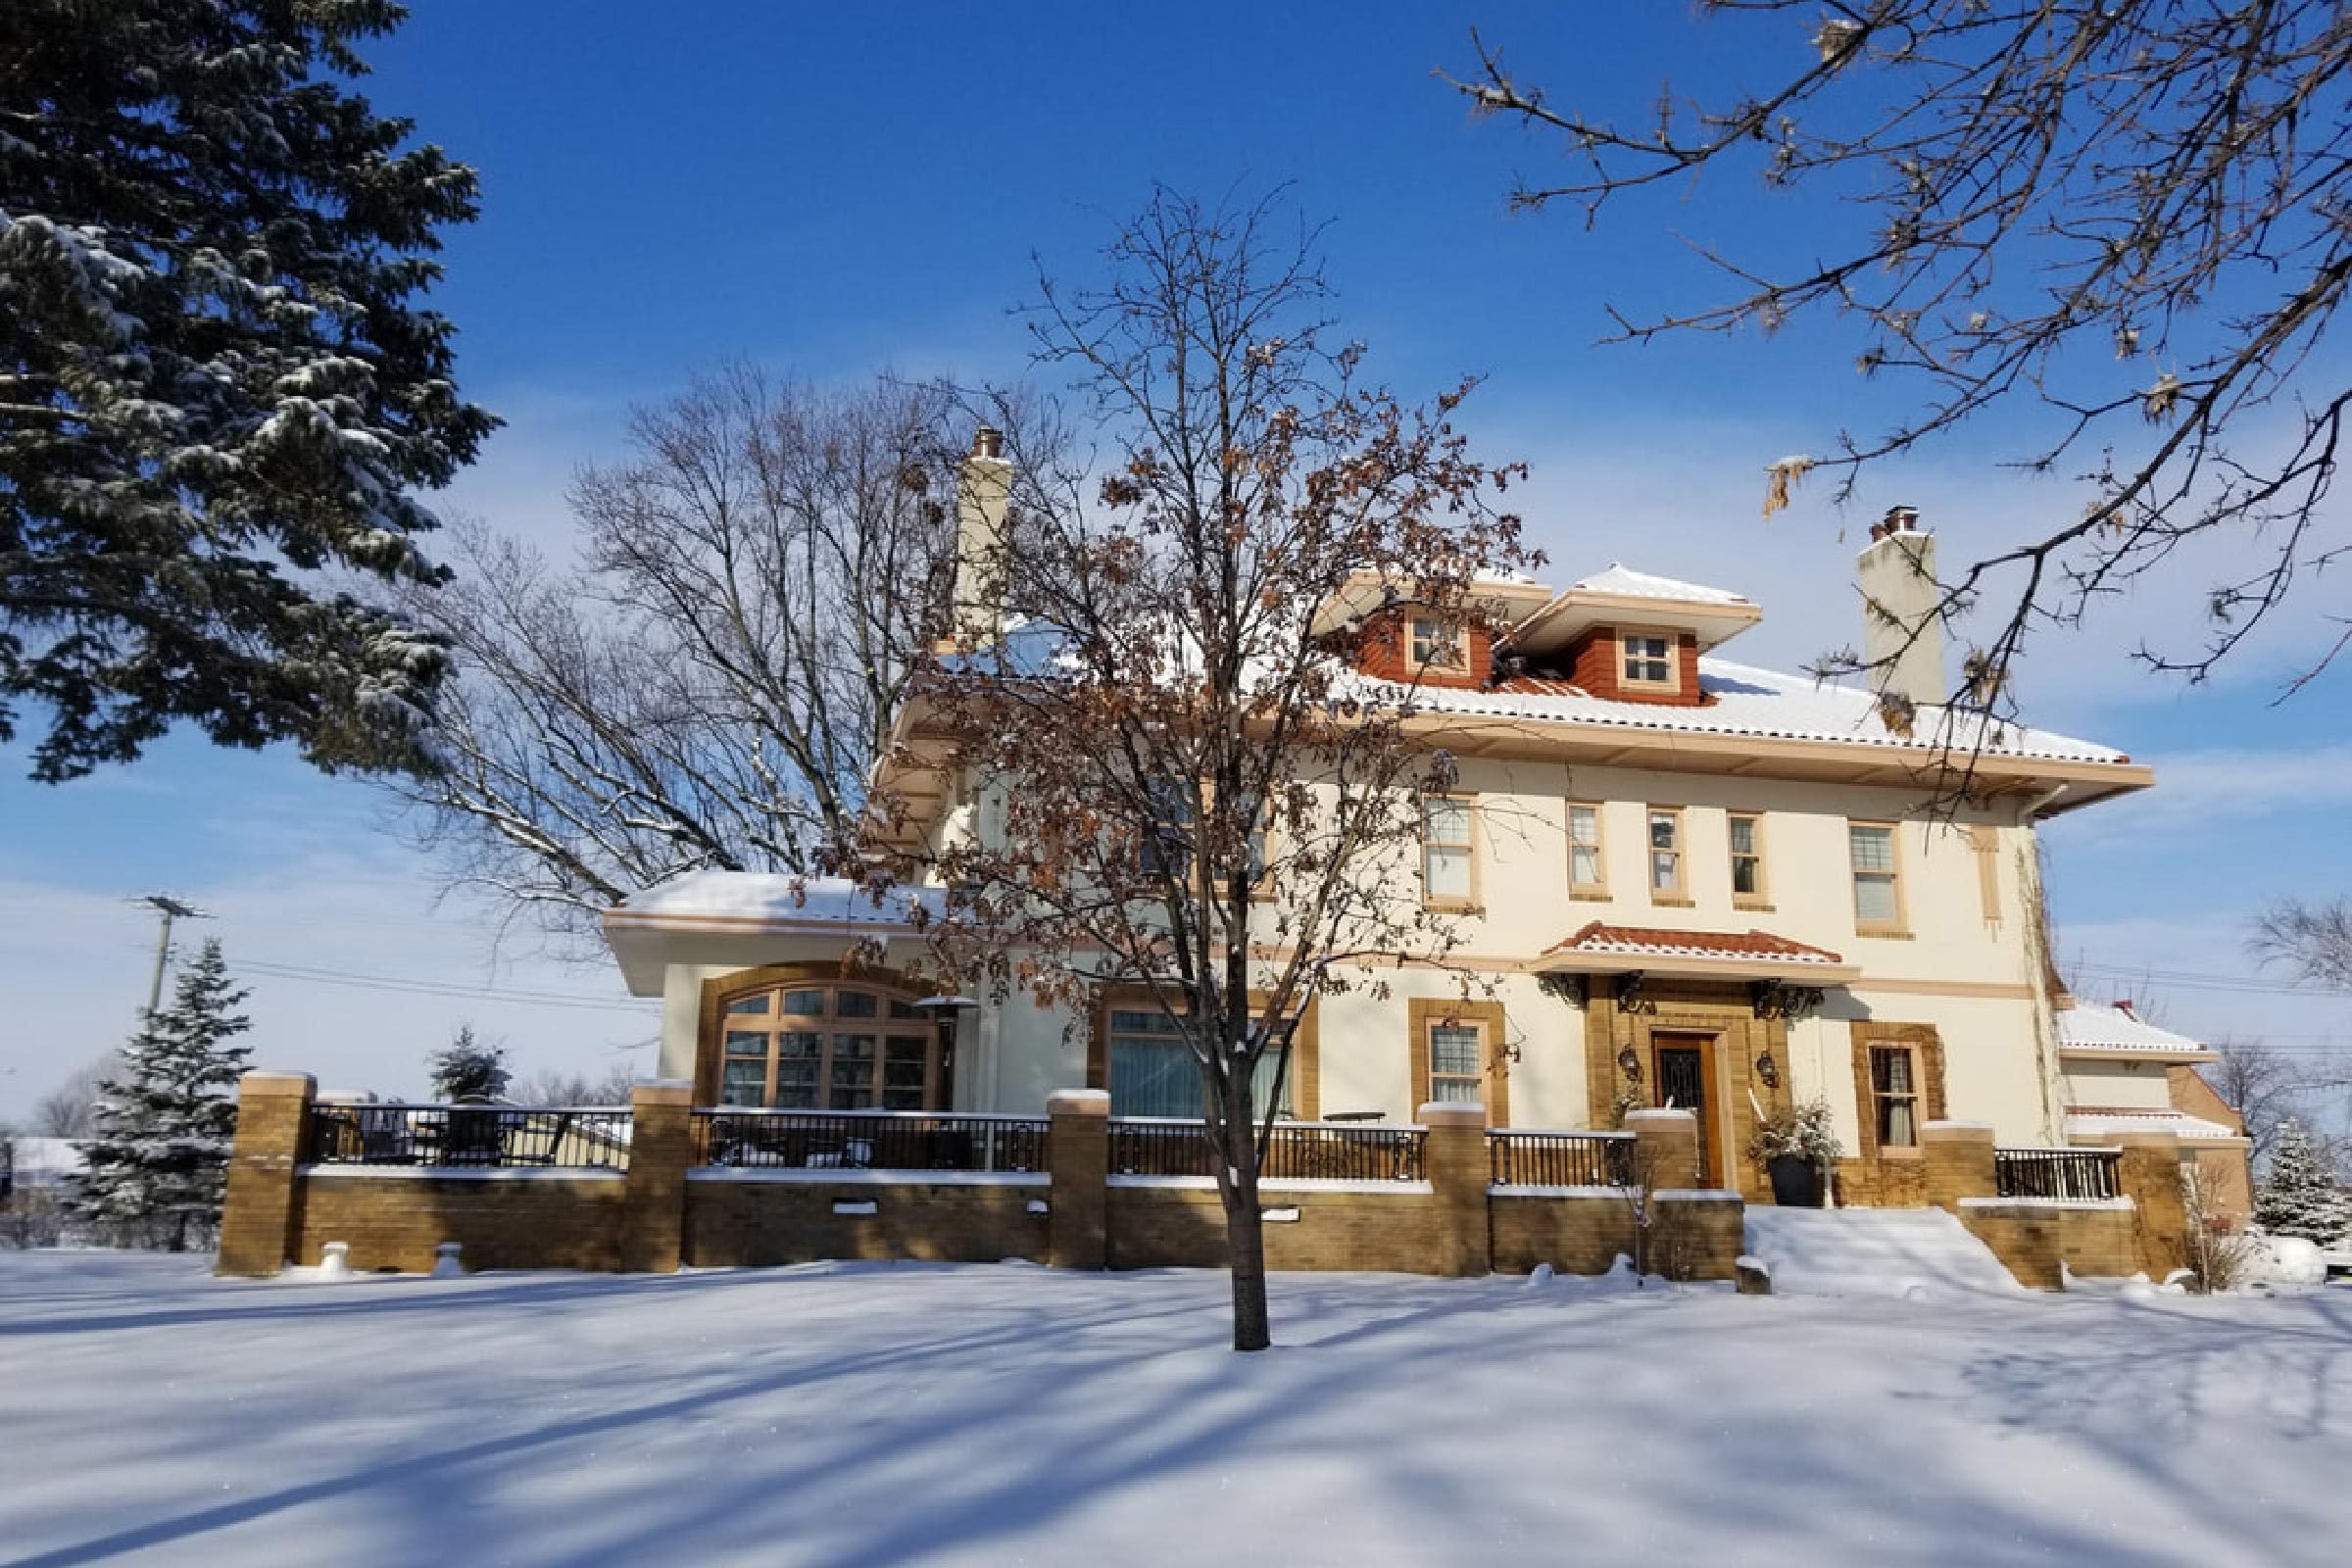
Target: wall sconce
x,y
1769,1071
1630,1064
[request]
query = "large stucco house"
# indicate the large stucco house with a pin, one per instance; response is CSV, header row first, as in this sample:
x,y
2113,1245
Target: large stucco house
x,y
1689,881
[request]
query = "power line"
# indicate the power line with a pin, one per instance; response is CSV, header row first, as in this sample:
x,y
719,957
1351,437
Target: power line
x,y
2194,981
434,988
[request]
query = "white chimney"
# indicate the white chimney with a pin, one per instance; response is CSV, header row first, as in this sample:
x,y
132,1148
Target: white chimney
x,y
983,501
1903,636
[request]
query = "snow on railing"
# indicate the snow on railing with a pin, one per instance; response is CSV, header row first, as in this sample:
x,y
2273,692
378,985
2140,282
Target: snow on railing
x,y
2082,1175
1561,1159
869,1139
469,1137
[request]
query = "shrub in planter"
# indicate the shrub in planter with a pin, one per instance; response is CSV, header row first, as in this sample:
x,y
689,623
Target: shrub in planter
x,y
1795,1147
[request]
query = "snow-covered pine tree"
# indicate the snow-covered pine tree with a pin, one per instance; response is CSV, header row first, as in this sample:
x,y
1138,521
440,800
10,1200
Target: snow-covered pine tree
x,y
215,380
467,1069
159,1155
2302,1196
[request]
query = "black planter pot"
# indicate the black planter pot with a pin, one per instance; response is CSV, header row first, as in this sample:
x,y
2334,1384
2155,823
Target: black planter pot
x,y
1796,1181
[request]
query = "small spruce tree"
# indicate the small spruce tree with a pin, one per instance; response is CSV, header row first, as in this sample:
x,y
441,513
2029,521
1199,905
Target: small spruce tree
x,y
466,1069
2302,1196
158,1155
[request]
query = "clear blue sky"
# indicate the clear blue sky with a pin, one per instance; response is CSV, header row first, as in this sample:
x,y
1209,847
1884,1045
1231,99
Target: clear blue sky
x,y
830,190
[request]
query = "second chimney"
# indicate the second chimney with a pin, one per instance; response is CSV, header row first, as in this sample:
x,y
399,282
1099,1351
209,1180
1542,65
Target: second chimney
x,y
983,502
1903,636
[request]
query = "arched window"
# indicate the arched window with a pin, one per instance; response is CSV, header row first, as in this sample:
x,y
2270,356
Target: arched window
x,y
819,1046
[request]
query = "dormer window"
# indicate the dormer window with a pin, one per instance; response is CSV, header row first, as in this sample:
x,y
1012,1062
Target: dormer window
x,y
1435,644
1647,660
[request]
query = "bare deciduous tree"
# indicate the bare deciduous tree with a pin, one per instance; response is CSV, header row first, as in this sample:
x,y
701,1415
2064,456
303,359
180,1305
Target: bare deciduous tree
x,y
710,685
66,1110
1188,789
2311,941
2136,218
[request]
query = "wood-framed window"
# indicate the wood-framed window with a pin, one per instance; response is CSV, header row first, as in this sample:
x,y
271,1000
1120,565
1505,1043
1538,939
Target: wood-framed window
x,y
816,1046
1894,1095
1746,834
1457,1061
1666,881
1431,641
1449,851
1166,841
1153,1071
1876,858
1588,866
1459,1057
1649,659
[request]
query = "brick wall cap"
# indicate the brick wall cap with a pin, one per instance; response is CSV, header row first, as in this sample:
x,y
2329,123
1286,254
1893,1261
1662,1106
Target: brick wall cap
x,y
1451,1114
1956,1132
1078,1103
1662,1118
1697,1195
262,1082
662,1092
2154,1138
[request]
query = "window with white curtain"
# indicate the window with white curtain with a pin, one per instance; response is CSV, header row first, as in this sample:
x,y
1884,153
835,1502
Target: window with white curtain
x,y
1446,874
1877,899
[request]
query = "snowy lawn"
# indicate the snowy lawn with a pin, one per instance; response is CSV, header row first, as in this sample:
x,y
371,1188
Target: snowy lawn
x,y
870,1415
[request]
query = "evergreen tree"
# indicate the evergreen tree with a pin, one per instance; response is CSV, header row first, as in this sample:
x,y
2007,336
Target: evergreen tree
x,y
468,1069
215,380
2301,1196
159,1155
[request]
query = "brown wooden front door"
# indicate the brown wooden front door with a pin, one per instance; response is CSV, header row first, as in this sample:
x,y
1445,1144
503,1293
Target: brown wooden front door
x,y
1683,1075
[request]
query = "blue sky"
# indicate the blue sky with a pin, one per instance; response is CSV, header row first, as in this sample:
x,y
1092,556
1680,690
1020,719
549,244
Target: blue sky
x,y
833,190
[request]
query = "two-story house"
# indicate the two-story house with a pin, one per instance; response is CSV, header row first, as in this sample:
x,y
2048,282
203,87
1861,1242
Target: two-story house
x,y
1681,880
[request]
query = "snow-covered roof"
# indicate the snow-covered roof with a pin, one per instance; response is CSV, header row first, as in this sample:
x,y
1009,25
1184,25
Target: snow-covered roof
x,y
1623,579
1762,704
733,899
2089,1030
2108,1121
1597,936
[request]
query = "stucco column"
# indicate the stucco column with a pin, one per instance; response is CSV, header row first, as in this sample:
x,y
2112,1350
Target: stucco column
x,y
1455,1162
1078,1155
1959,1161
1665,1146
259,1206
653,1213
2151,1178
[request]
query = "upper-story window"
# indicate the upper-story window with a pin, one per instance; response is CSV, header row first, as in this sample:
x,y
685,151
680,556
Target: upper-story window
x,y
1665,852
1587,871
1748,857
1878,876
1435,644
1448,864
1647,658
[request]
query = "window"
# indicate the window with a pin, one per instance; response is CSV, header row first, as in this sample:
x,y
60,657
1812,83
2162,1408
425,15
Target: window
x,y
1877,899
1457,1057
1748,857
1894,1095
1435,644
1166,844
1648,659
1152,1072
1446,866
1588,872
1665,852
828,1047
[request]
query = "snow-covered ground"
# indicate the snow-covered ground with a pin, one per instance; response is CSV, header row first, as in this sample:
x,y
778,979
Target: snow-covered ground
x,y
857,1415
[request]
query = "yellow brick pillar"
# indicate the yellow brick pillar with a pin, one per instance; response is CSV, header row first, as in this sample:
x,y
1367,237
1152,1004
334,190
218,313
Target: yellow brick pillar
x,y
653,1213
1665,1146
1958,1156
1455,1161
2151,1178
1078,1155
261,1201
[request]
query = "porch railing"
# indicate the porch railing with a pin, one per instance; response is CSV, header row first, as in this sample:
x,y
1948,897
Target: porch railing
x,y
1560,1160
1295,1150
469,1137
2080,1174
868,1140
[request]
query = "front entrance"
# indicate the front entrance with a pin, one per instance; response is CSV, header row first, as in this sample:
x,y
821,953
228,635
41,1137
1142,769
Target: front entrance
x,y
1683,1069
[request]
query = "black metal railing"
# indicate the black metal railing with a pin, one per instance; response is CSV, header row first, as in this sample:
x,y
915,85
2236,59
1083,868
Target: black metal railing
x,y
1560,1160
469,1137
1295,1150
868,1140
2079,1174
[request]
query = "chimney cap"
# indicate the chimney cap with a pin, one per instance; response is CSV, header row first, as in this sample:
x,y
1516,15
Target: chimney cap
x,y
1900,519
988,442
2123,1005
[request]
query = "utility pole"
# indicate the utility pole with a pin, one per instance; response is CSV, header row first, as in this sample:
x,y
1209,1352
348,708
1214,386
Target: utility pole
x,y
170,909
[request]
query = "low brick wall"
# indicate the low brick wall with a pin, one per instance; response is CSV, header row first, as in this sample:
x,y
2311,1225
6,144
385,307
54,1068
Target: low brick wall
x,y
395,1217
1179,1222
737,1219
2030,1236
1576,1230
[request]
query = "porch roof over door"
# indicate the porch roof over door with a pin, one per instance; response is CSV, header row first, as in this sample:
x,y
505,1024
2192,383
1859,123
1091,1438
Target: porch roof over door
x,y
1603,949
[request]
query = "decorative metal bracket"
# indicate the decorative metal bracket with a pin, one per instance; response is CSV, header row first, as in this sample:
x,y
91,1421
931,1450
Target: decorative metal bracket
x,y
1563,987
1777,999
1629,991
